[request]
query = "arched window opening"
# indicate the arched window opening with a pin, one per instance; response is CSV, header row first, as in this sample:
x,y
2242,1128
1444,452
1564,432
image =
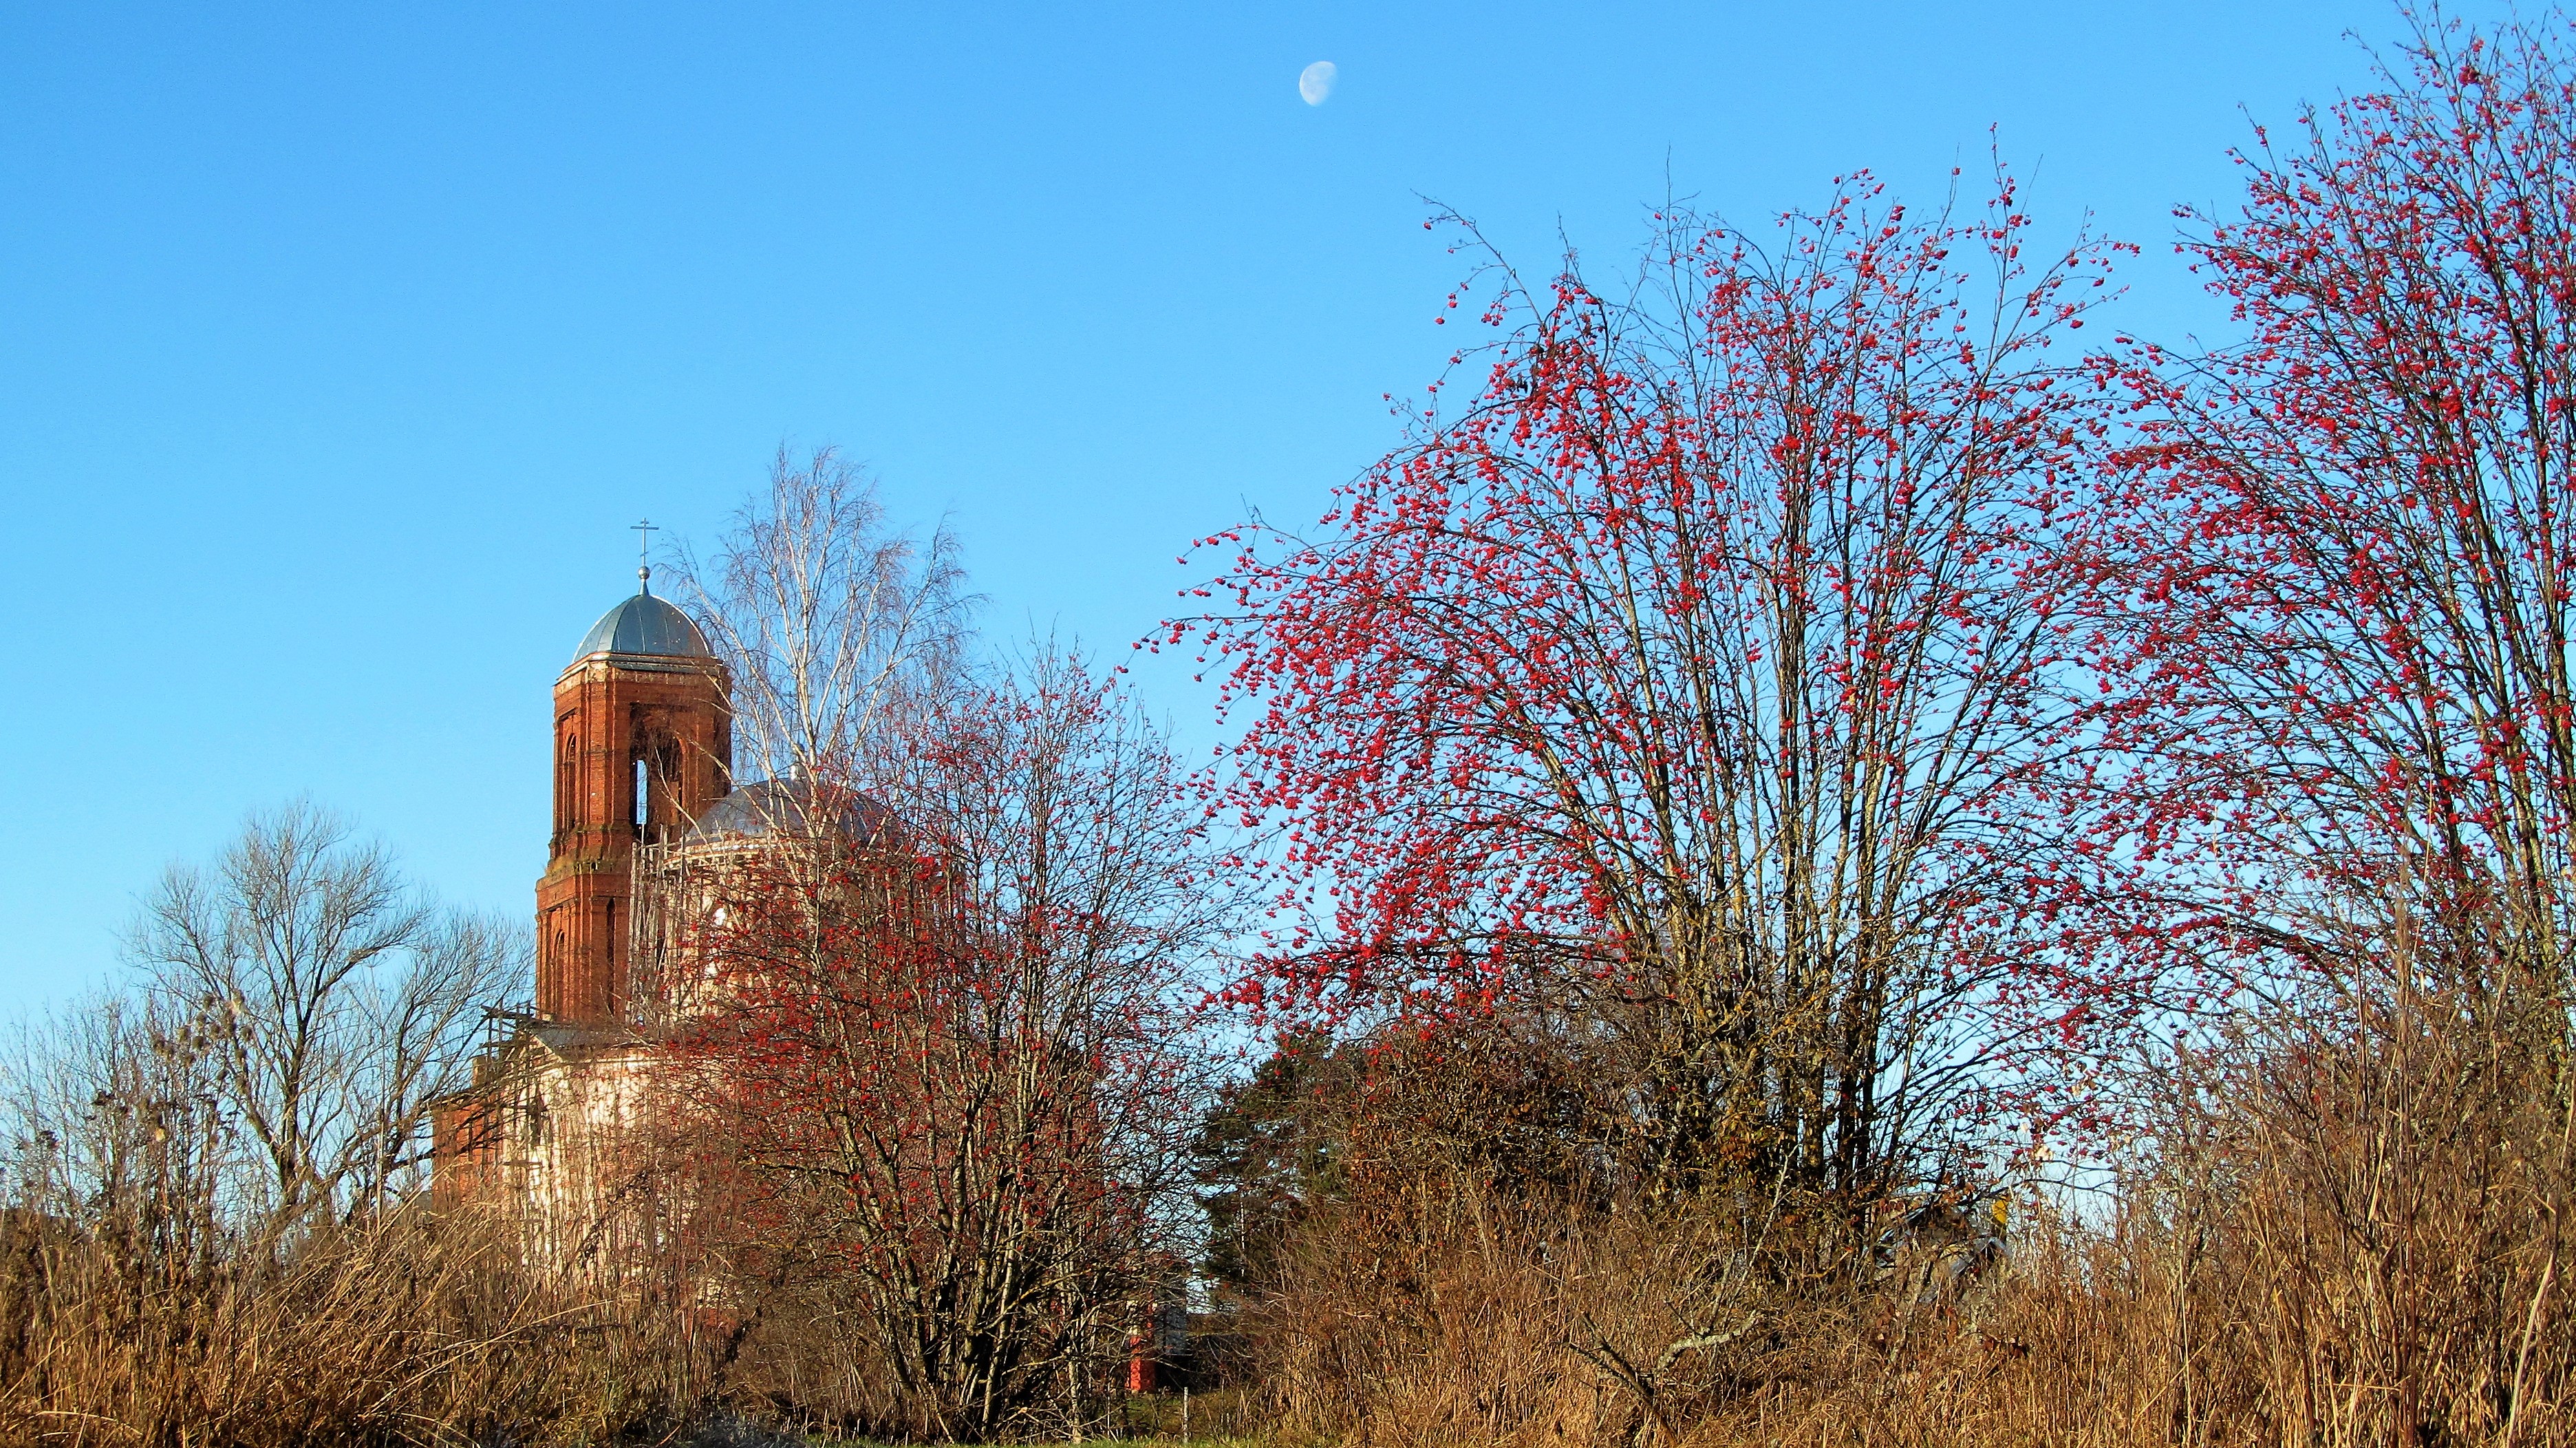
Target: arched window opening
x,y
567,781
657,813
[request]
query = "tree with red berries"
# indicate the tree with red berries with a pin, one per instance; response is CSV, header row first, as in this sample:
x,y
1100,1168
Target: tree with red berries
x,y
1704,679
2336,587
942,1036
931,991
2332,621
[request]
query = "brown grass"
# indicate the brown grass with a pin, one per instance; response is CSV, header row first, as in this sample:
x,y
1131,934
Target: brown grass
x,y
2328,1240
413,1330
2332,1241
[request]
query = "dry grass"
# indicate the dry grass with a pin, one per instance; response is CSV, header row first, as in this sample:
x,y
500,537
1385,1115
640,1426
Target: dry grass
x,y
2091,1337
2334,1240
2349,1240
412,1330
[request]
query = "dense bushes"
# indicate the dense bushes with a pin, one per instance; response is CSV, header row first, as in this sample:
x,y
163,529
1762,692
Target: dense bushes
x,y
2345,1239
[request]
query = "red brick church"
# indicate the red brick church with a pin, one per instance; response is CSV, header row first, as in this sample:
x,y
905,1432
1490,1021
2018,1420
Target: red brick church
x,y
642,769
559,1125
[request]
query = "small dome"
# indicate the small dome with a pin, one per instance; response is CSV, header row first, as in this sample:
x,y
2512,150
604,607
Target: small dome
x,y
645,625
779,805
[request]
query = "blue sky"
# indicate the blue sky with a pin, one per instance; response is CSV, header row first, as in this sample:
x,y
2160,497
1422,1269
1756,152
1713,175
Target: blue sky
x,y
339,346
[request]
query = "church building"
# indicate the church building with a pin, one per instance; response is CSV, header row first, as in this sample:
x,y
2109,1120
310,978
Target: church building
x,y
642,770
568,1124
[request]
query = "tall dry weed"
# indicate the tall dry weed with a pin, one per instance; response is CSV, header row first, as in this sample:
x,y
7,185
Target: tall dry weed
x,y
409,1330
2351,1236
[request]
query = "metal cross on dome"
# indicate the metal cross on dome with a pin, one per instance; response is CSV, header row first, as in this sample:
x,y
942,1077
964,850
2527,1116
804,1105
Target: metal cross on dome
x,y
644,552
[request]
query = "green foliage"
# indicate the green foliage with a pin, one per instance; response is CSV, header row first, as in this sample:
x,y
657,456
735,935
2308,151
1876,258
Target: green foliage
x,y
1265,1157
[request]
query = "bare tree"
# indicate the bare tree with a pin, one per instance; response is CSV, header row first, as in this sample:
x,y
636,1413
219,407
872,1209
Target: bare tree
x,y
827,618
328,1001
113,1121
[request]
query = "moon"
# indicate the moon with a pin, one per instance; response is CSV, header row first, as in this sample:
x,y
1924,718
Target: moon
x,y
1315,82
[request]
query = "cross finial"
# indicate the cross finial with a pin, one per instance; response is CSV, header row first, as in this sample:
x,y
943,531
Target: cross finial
x,y
644,551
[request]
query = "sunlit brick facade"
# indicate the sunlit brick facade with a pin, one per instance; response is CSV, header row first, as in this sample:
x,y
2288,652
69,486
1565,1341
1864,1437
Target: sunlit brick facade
x,y
560,1110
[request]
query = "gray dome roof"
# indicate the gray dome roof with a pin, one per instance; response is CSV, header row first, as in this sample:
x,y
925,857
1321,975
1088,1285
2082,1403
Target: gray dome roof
x,y
645,625
781,805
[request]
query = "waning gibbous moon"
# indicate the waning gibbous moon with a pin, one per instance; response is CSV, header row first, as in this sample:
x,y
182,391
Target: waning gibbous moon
x,y
1316,81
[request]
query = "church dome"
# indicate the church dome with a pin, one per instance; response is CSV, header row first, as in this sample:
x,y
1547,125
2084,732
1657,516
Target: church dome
x,y
645,625
783,806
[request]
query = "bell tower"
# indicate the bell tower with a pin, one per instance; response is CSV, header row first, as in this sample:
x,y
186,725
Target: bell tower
x,y
643,744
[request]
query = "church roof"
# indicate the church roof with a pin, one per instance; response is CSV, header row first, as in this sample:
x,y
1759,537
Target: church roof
x,y
644,624
783,806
